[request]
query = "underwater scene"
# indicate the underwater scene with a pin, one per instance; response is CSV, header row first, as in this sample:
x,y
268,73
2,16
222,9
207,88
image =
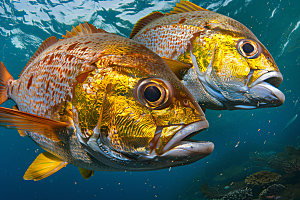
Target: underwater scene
x,y
251,149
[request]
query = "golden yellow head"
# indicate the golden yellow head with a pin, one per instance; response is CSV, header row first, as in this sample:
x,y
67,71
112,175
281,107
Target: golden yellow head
x,y
134,106
236,70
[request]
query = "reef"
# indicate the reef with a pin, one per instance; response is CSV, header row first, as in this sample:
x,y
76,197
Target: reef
x,y
262,178
245,194
264,185
272,192
283,162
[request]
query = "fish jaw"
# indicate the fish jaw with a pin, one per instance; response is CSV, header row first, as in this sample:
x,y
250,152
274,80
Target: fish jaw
x,y
233,95
178,151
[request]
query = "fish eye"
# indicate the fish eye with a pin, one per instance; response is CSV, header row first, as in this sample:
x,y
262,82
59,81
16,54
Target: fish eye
x,y
154,93
248,48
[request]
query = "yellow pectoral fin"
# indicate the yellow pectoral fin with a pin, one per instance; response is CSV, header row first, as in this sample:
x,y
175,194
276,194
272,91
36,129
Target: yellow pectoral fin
x,y
43,166
177,67
15,119
86,173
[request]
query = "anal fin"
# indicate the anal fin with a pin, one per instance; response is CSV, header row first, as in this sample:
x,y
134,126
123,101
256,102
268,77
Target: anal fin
x,y
86,173
43,166
15,119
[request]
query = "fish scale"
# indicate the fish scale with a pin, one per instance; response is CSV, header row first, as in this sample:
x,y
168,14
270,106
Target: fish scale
x,y
83,99
189,35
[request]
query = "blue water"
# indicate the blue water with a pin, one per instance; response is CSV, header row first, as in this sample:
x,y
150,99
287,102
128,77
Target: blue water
x,y
24,25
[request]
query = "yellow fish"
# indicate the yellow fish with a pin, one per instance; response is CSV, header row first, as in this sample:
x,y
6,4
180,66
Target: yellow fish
x,y
102,102
217,58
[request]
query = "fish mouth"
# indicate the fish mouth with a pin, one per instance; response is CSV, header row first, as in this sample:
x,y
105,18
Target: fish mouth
x,y
181,145
264,91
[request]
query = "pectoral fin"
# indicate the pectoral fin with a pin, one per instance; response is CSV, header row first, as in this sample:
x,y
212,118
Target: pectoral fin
x,y
43,166
86,173
15,119
21,132
177,67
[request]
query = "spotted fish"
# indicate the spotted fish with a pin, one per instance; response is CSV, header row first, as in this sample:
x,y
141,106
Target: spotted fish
x,y
102,102
218,59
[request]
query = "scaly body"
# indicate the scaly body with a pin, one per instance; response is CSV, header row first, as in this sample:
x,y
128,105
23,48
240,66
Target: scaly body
x,y
220,61
102,102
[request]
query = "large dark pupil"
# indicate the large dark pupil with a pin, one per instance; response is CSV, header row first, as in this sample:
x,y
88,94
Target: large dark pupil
x,y
248,48
152,93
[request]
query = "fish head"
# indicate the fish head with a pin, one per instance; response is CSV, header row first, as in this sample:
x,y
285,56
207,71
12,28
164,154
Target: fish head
x,y
235,67
134,114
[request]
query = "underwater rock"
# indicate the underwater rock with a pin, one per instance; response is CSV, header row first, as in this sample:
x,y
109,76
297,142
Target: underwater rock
x,y
217,192
239,195
272,192
290,150
283,162
262,178
292,192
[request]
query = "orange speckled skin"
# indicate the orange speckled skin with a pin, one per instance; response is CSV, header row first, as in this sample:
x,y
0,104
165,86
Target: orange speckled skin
x,y
48,84
177,36
49,79
174,32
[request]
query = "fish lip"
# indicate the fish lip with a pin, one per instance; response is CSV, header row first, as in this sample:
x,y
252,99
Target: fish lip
x,y
197,149
183,133
274,75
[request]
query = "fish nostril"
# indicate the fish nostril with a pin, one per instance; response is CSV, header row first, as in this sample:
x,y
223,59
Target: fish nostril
x,y
275,81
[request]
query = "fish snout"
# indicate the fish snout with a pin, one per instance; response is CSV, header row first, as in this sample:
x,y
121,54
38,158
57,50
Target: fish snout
x,y
265,89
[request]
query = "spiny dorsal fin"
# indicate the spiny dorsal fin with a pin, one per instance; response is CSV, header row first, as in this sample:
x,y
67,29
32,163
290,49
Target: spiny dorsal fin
x,y
43,166
144,21
21,132
47,43
185,6
82,29
15,119
86,173
177,67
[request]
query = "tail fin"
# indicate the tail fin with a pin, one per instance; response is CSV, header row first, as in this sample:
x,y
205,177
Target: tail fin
x,y
5,77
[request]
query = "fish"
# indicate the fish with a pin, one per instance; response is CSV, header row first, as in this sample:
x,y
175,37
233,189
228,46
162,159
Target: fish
x,y
288,91
217,58
289,123
102,102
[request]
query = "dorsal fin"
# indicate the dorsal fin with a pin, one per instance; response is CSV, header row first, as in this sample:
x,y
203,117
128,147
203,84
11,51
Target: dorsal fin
x,y
144,21
185,6
82,29
47,43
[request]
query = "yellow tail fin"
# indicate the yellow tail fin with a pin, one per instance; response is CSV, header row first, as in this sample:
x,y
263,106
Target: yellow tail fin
x,y
5,77
43,166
